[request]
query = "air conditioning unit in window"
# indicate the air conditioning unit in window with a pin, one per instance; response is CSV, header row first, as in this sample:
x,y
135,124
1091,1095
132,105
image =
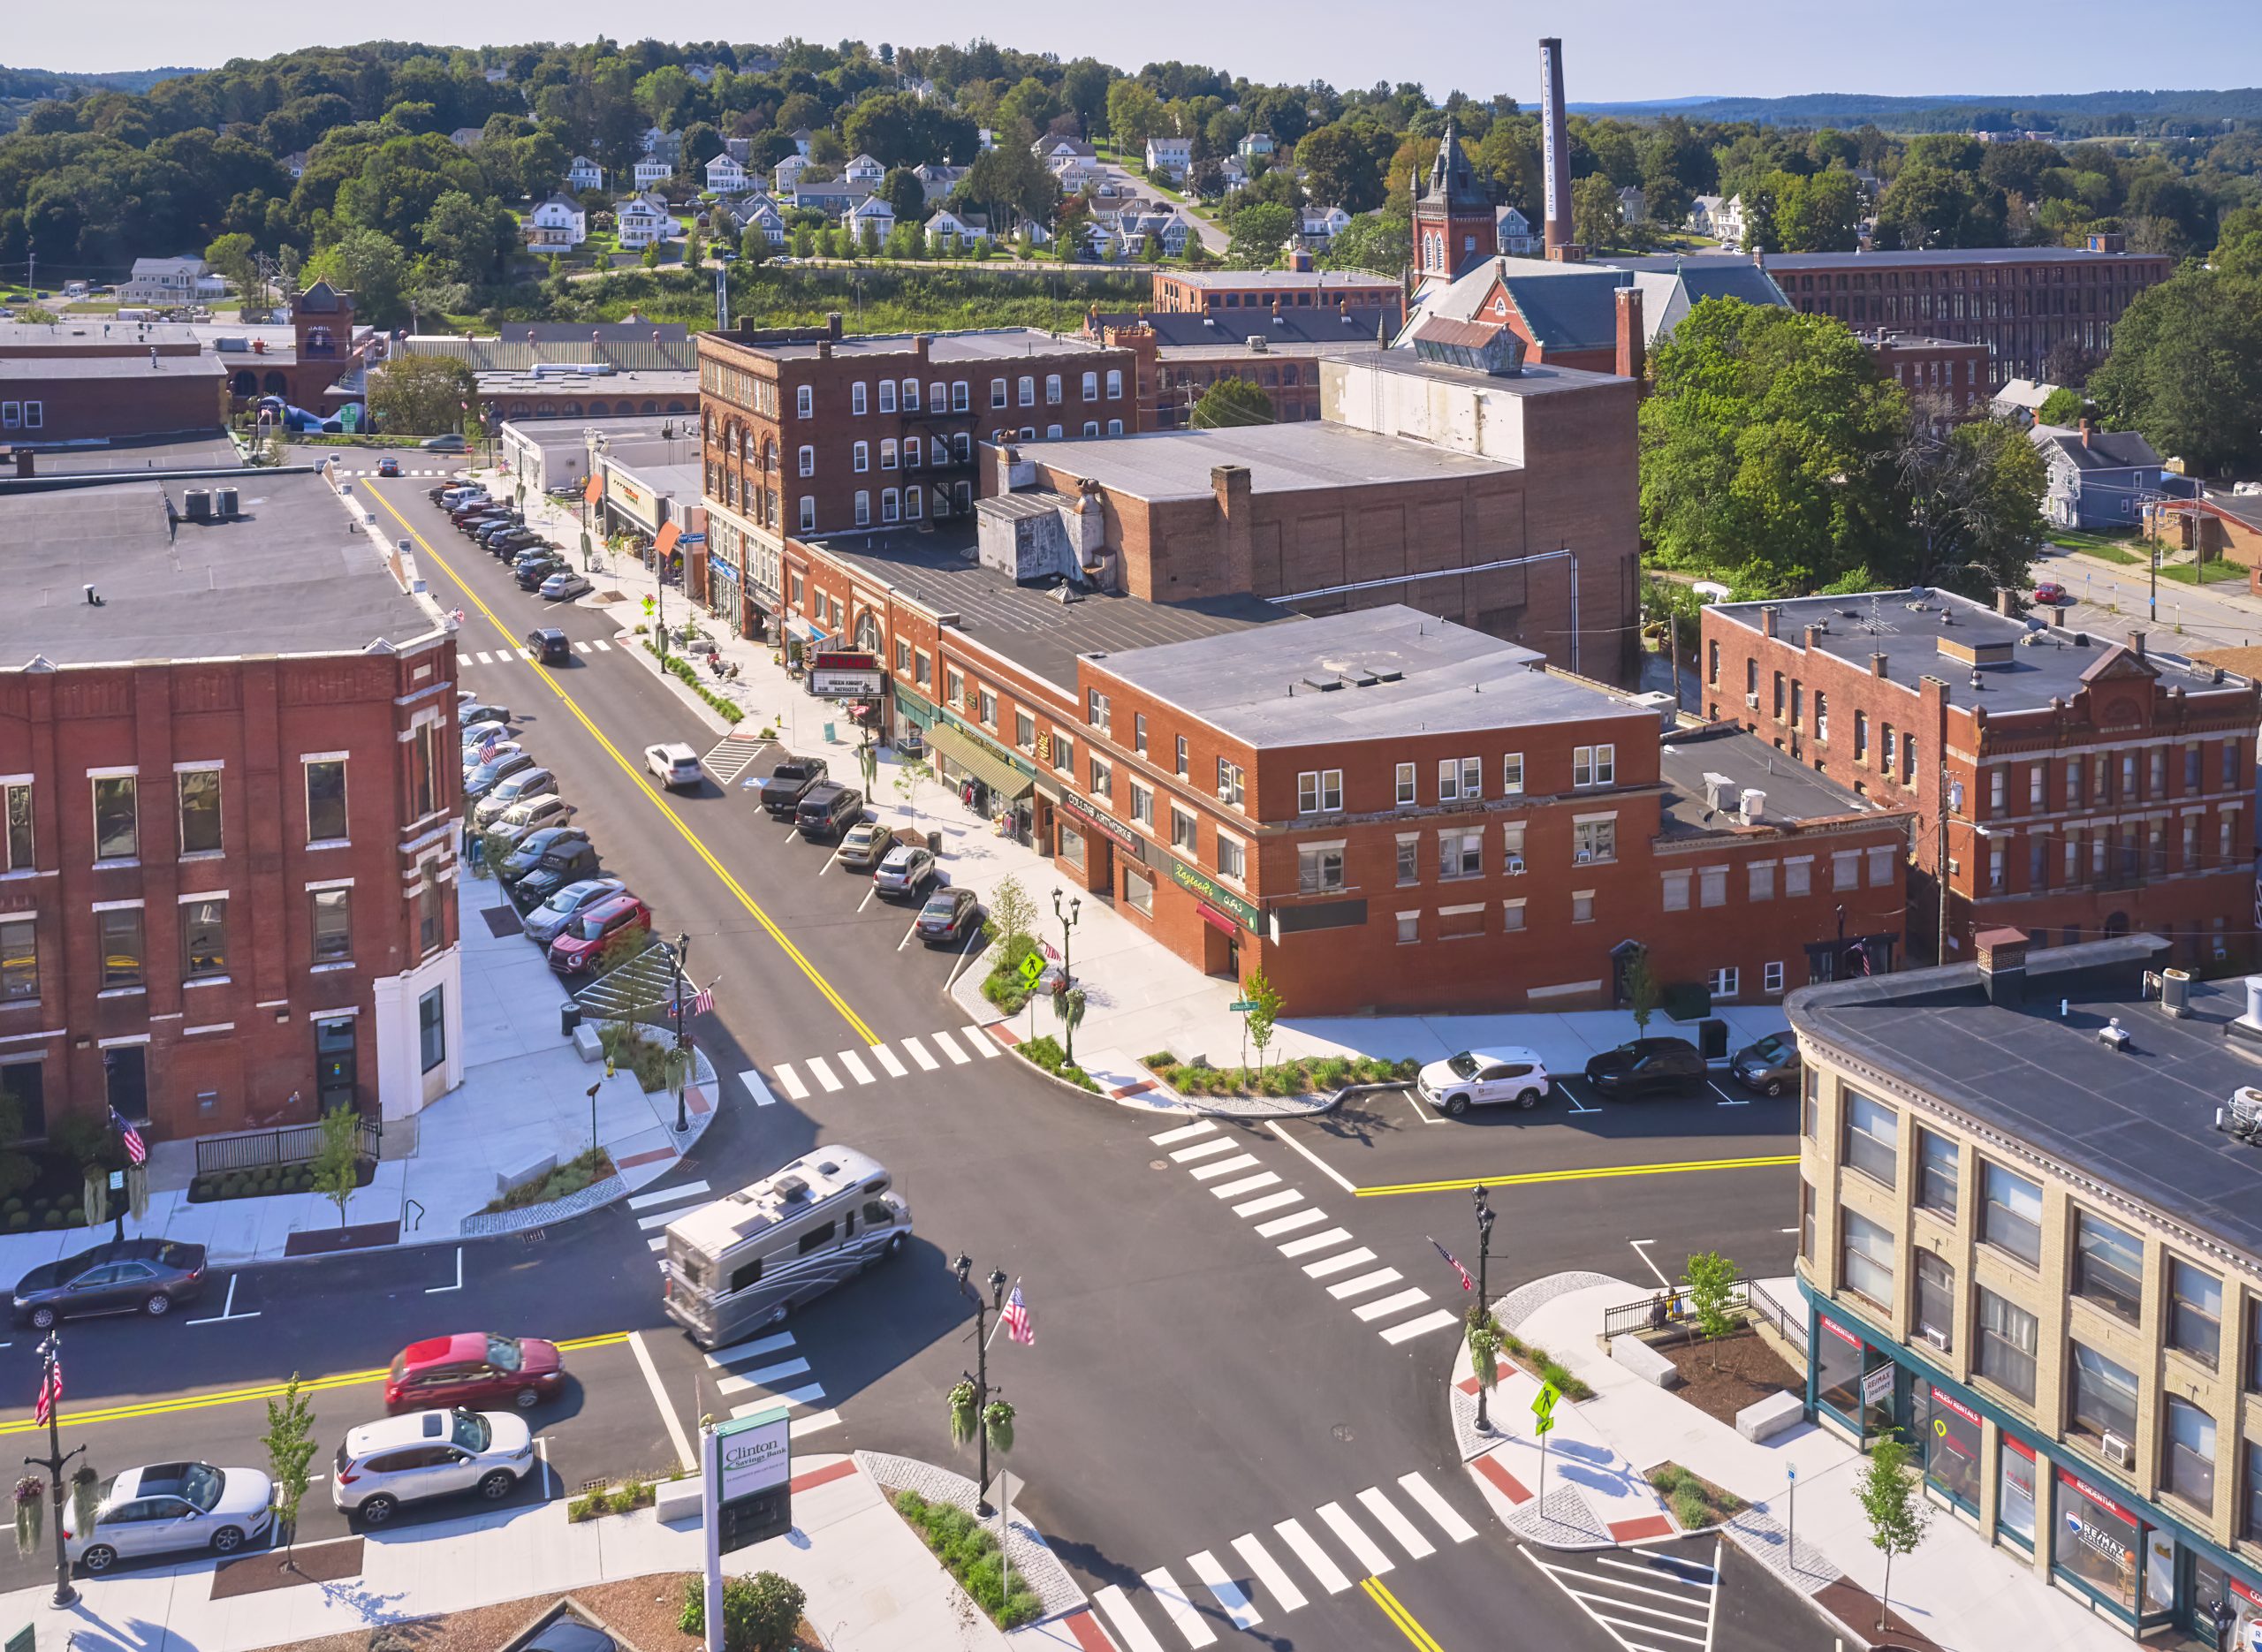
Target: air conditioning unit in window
x,y
1936,1336
2117,1451
1580,857
1515,865
1752,702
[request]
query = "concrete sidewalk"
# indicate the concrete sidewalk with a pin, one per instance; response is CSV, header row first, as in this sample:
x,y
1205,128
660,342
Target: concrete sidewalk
x,y
871,1583
1956,1589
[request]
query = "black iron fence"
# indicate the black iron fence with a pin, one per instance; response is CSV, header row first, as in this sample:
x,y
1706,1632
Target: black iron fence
x,y
1674,1309
293,1144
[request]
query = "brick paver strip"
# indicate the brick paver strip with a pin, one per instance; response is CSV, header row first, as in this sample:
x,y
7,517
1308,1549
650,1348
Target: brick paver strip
x,y
650,1155
1509,1486
1857,1608
1088,1634
822,1476
1635,1531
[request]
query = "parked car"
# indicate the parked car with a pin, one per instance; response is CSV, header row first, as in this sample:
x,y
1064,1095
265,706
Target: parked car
x,y
527,783
125,1276
561,864
1484,1078
388,467
529,816
480,711
905,871
477,750
827,809
565,585
167,1508
1770,1066
946,915
532,575
450,444
550,646
474,1369
506,546
2050,594
784,786
535,844
429,1454
1647,1066
484,777
675,764
563,904
579,942
865,846
502,530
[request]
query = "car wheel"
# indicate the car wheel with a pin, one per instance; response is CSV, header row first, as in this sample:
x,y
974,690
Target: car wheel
x,y
158,1306
375,1511
99,1558
227,1540
783,1309
496,1486
1457,1105
42,1319
1775,1088
525,1399
895,1246
1527,1099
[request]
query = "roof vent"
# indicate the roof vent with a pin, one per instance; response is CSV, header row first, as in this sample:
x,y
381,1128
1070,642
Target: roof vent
x,y
1716,791
1326,685
2112,1035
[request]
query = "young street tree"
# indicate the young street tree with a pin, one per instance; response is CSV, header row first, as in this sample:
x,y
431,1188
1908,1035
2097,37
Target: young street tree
x,y
1263,1017
1897,1516
337,1160
1641,991
290,1442
1710,1279
419,395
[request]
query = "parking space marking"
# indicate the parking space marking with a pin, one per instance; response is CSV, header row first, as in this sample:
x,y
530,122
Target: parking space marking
x,y
676,1434
1325,1168
1726,1099
869,895
908,933
886,1058
1638,1246
1421,1115
666,1195
1578,1106
792,1080
854,1063
757,1088
823,1074
439,1290
1303,1219
917,1051
228,1310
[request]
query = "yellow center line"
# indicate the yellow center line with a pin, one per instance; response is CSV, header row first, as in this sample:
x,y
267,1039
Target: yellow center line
x,y
644,785
1598,1172
243,1396
1394,1609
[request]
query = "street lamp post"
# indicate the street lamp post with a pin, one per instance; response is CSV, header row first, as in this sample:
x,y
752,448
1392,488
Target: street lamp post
x,y
58,1460
1484,1298
594,1088
979,1375
1069,916
683,952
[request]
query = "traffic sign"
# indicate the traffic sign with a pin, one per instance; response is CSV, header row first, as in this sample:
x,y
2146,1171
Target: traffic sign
x,y
1544,1425
1242,1007
1032,967
1543,1403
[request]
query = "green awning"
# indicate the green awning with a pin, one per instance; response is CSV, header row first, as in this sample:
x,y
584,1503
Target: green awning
x,y
999,776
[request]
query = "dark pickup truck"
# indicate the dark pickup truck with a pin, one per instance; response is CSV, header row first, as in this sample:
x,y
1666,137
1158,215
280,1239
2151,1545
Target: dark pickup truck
x,y
786,785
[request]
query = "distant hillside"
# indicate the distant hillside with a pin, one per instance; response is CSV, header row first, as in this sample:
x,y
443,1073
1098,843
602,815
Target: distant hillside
x,y
2077,114
43,83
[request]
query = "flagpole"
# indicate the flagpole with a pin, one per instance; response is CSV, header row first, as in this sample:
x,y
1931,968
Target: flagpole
x,y
56,1461
995,1328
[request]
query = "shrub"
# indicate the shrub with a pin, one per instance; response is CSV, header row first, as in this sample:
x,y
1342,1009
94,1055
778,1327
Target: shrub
x,y
19,1220
76,1218
589,1505
11,1207
53,1219
1163,1062
1690,1509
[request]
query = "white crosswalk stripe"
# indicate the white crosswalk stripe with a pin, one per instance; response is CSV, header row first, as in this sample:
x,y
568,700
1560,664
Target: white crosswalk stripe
x,y
658,1242
756,1088
1311,1242
666,1195
1185,1132
1306,1548
1329,1265
823,1075
812,1423
981,1042
1271,1201
943,1042
1245,1185
1223,1167
792,1080
1182,1613
1220,1583
740,1352
1204,1149
1410,1538
1354,1537
886,1058
1390,1305
1303,1219
917,1051
796,1397
768,1377
1371,1281
1437,1508
1268,1572
602,646
854,1063
1136,1636
1437,1319
582,647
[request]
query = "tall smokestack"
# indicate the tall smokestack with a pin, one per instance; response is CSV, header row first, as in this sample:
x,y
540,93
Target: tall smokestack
x,y
1556,139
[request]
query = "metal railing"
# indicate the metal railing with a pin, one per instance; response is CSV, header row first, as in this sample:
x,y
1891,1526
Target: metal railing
x,y
293,1144
1674,1310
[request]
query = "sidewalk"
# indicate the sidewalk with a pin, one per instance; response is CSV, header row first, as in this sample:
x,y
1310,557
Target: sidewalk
x,y
872,1584
1963,1593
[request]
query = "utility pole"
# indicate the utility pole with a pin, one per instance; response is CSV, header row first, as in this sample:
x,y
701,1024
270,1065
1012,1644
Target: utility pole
x,y
58,1460
979,1375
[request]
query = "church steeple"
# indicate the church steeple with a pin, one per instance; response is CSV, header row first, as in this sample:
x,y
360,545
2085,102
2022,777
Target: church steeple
x,y
1452,181
1453,225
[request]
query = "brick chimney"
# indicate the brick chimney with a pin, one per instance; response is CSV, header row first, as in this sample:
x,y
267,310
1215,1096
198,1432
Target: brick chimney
x,y
1877,664
832,324
1235,569
919,349
2005,603
1768,616
2088,430
2002,965
1630,340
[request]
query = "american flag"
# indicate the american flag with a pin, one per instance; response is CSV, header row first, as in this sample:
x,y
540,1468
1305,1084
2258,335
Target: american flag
x,y
1467,1284
1016,1320
486,744
51,1389
137,1151
701,1003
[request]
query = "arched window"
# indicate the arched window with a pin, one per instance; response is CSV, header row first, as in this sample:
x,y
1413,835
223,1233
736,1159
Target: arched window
x,y
276,384
651,407
675,407
598,410
246,383
867,633
769,453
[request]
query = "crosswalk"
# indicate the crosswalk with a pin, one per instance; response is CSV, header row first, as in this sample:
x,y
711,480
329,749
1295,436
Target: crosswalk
x,y
1377,1293
768,1371
641,987
928,1052
1644,1599
732,757
659,1207
1261,1577
406,473
506,657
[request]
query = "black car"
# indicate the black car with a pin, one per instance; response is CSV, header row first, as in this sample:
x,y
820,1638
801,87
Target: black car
x,y
531,849
550,646
127,1277
479,711
827,809
784,787
531,574
1770,1066
947,914
507,547
1647,1066
484,777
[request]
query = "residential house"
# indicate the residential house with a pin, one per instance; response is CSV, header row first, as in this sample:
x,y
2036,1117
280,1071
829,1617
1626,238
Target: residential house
x,y
557,225
467,136
496,77
2102,479
835,197
652,138
702,72
650,172
726,175
948,231
1075,174
2021,399
1052,150
759,211
802,138
1321,224
1516,238
1256,146
640,221
937,178
864,170
1133,227
295,164
185,280
1700,213
985,138
873,212
584,174
1632,204
1233,174
788,172
1169,157
1727,223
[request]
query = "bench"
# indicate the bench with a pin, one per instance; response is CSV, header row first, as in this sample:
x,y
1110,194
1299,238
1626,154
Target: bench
x,y
1765,1419
677,1500
518,1172
1644,1361
586,1044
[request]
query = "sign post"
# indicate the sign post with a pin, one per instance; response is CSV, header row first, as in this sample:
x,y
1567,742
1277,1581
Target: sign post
x,y
1543,1424
745,1495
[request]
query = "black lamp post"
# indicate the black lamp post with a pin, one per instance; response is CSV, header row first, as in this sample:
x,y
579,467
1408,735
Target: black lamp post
x,y
58,1460
979,1375
1483,1300
683,952
1069,917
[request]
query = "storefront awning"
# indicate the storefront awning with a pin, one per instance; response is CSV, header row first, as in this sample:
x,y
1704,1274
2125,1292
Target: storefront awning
x,y
1000,777
799,626
593,489
668,535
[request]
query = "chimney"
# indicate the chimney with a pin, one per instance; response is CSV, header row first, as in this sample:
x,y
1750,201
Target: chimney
x,y
832,324
1806,641
2004,601
2136,641
1630,342
23,462
2002,965
1768,615
2087,429
1877,664
919,349
1235,568
1555,147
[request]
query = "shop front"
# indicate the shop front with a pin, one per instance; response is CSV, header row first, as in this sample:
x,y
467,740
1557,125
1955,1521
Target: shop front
x,y
1228,922
1105,840
984,778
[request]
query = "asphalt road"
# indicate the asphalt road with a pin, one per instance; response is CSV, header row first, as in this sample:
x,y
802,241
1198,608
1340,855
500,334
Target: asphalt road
x,y
1189,1386
2112,600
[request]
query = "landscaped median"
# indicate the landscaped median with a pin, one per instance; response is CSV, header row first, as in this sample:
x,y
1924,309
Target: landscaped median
x,y
1295,1076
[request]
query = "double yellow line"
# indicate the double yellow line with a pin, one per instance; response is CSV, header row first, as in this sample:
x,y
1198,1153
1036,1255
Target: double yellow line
x,y
1596,1172
264,1390
645,786
1398,1615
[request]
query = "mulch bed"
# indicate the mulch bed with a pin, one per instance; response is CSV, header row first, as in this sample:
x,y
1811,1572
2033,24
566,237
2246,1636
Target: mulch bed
x,y
640,1613
1721,1378
325,1240
274,1569
1857,1608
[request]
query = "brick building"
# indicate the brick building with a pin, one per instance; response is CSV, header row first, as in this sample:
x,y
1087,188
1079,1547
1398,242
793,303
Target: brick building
x,y
2090,789
569,370
1948,377
58,397
1229,295
1455,221
228,751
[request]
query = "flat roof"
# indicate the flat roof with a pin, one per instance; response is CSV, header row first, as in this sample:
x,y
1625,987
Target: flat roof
x,y
991,344
47,368
208,452
589,386
1284,278
1538,378
1888,260
672,481
294,574
1373,673
1280,459
1906,627
2141,1120
551,435
1795,794
1028,625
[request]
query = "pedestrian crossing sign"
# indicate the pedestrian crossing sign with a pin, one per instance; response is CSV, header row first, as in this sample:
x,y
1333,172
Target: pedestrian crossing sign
x,y
1543,1403
1032,967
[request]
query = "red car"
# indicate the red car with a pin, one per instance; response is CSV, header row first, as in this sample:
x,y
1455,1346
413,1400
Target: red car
x,y
474,1369
388,467
577,945
2051,594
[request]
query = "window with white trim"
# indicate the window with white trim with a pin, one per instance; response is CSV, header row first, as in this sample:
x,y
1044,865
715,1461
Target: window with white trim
x,y
1142,805
1593,765
1231,858
856,399
1798,876
804,401
1092,387
809,513
1115,426
887,395
1320,792
1512,848
1675,887
1319,867
1103,778
1406,785
1232,782
1409,927
1725,982
808,460
998,395
1053,389
911,395
1460,779
890,503
860,457
1594,840
1771,976
1461,853
1410,857
1029,389
1182,830
887,453
1512,775
1512,915
863,507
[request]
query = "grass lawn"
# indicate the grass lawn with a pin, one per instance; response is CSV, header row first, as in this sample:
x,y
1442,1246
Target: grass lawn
x,y
2112,547
2219,572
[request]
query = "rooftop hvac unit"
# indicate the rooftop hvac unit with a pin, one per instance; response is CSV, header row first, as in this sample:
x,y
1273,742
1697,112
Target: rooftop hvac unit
x,y
197,503
224,503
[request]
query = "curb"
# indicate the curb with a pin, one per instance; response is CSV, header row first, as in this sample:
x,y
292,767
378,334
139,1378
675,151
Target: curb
x,y
596,1196
630,642
1057,1594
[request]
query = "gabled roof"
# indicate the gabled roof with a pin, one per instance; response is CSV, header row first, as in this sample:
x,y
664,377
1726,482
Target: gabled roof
x,y
1452,181
2104,450
865,162
321,299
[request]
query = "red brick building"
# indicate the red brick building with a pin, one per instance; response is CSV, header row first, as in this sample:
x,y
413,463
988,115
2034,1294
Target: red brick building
x,y
2062,784
57,397
228,780
1948,377
1455,226
1238,298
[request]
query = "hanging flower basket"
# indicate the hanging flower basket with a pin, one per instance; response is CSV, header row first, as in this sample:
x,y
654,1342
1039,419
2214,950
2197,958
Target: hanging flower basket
x,y
30,1513
961,1401
997,1421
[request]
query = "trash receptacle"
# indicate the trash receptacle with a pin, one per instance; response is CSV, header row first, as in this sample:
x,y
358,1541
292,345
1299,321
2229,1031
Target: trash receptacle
x,y
1713,1039
569,1018
827,734
934,843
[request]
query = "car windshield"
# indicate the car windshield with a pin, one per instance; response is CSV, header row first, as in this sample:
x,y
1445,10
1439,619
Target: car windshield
x,y
1770,1049
503,1352
471,1431
1463,1065
590,929
200,1483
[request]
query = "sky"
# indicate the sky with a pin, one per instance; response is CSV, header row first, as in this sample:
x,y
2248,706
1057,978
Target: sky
x,y
1614,51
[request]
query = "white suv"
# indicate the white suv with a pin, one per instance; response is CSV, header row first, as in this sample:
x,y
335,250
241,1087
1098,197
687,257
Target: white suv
x,y
429,1454
1477,1077
676,764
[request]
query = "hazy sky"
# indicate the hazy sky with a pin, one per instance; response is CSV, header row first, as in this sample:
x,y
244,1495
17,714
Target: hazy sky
x,y
1614,49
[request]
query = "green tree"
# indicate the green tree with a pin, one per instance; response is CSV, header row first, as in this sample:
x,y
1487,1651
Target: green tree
x,y
754,245
1381,242
1232,401
337,1158
1259,229
370,264
1710,1278
1261,1018
291,1445
1133,115
1642,995
1594,212
465,237
419,395
231,256
1341,170
1930,206
2061,407
1010,923
2185,369
1896,1513
1972,499
905,194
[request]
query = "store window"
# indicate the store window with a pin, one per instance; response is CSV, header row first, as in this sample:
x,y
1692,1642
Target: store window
x,y
431,1027
2015,1494
1139,892
1951,1445
2097,1542
1838,1366
1072,848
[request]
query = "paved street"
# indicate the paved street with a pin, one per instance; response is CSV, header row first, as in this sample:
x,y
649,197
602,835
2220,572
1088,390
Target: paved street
x,y
2112,600
1193,1392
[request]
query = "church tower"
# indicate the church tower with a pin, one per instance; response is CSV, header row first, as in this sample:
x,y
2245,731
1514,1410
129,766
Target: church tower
x,y
1453,223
